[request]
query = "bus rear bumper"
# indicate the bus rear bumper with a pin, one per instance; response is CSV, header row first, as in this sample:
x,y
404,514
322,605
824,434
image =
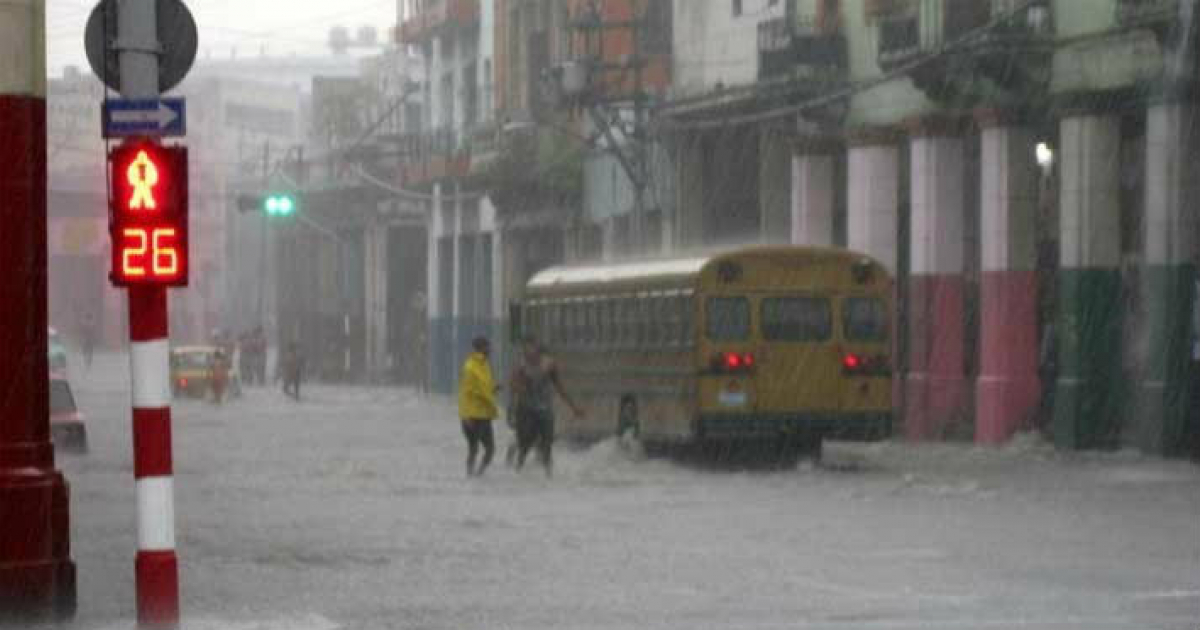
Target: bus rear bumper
x,y
863,426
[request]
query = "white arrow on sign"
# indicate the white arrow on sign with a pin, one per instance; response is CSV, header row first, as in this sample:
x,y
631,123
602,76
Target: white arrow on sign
x,y
162,116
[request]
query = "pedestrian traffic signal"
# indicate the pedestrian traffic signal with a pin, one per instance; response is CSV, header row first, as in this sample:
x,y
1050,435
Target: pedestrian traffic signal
x,y
279,205
149,209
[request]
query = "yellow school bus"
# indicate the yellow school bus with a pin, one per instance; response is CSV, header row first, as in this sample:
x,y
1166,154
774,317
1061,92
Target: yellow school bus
x,y
779,345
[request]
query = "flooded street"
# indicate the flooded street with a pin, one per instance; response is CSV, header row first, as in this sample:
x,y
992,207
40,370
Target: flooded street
x,y
351,509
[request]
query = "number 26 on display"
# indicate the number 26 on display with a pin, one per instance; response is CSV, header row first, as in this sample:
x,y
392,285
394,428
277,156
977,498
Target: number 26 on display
x,y
149,252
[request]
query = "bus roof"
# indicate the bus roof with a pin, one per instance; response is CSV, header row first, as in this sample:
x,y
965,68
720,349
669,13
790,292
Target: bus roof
x,y
668,270
646,270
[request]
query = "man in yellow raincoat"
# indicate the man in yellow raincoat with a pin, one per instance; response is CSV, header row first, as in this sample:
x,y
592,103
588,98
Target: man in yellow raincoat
x,y
477,405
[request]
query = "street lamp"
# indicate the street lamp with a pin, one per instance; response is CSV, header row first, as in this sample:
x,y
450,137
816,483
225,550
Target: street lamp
x,y
1045,156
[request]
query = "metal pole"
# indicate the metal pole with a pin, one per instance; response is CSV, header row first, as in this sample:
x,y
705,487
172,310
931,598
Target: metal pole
x,y
37,577
639,148
262,237
157,573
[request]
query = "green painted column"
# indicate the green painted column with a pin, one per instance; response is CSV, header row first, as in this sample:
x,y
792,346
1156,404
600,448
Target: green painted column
x,y
1163,404
1090,393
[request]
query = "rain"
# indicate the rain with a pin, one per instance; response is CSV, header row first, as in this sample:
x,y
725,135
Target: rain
x,y
595,314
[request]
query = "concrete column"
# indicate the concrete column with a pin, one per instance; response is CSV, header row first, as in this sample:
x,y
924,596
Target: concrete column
x,y
872,202
1164,400
37,577
375,263
812,198
689,215
1089,398
437,109
454,229
1007,390
434,272
935,387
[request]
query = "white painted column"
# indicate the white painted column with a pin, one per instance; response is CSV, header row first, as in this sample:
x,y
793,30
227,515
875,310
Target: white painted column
x,y
812,199
872,202
433,272
454,221
437,109
375,261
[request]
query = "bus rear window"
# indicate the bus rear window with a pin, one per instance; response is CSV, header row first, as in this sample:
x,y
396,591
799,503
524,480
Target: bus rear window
x,y
727,318
796,319
866,319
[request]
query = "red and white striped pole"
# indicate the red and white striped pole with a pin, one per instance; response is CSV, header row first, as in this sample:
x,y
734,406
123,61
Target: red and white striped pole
x,y
156,566
149,362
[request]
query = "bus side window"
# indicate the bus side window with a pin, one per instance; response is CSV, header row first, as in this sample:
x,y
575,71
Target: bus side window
x,y
581,328
608,323
571,311
590,323
650,321
554,323
641,313
687,324
660,325
624,325
673,321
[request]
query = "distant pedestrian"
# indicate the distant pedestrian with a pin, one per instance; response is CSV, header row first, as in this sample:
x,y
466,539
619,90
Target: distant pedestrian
x,y
477,406
88,333
292,367
218,375
258,346
246,357
533,383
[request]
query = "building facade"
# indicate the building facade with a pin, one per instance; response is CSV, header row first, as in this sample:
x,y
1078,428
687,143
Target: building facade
x,y
1058,295
455,41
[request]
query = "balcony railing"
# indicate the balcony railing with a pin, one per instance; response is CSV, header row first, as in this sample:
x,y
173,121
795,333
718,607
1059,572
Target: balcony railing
x,y
786,46
899,38
433,155
1133,12
436,16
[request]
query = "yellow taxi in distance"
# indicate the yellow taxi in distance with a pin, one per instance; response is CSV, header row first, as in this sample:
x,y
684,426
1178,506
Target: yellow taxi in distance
x,y
191,371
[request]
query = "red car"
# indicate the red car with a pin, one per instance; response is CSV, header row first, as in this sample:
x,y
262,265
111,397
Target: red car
x,y
66,423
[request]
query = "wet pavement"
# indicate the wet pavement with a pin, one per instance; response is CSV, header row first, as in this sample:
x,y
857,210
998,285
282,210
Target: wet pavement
x,y
351,509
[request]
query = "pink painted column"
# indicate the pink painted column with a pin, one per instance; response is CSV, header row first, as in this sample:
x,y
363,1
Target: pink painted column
x,y
935,388
1007,390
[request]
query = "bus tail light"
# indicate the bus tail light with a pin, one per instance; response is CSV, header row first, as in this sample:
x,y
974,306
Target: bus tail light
x,y
852,362
733,362
861,365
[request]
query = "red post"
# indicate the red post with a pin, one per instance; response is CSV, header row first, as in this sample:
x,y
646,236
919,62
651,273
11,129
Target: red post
x,y
37,577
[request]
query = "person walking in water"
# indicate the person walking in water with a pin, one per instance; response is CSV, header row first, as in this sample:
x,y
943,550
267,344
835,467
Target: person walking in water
x,y
292,367
533,384
218,377
477,405
88,334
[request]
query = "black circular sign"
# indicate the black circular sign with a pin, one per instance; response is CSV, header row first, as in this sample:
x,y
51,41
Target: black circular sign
x,y
177,37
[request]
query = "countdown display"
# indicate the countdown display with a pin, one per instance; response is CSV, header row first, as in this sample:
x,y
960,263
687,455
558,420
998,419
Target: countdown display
x,y
148,220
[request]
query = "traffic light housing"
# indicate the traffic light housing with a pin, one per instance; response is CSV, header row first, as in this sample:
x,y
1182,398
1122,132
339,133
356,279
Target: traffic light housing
x,y
148,214
279,205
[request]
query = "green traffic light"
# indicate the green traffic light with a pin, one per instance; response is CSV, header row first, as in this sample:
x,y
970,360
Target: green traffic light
x,y
280,206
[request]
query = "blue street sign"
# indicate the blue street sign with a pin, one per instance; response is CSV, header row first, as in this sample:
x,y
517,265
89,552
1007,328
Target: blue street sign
x,y
144,117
